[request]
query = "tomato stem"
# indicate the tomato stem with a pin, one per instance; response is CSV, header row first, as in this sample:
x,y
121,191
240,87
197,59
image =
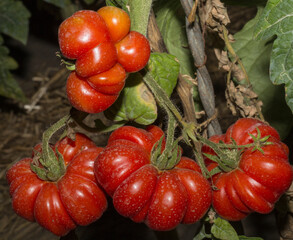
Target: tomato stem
x,y
53,166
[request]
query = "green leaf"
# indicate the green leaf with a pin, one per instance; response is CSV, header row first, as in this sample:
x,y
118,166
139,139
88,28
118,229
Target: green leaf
x,y
171,22
202,234
135,103
118,3
249,238
222,229
255,55
277,20
165,70
14,19
8,86
245,2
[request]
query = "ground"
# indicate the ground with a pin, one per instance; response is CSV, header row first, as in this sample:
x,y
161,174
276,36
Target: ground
x,y
40,72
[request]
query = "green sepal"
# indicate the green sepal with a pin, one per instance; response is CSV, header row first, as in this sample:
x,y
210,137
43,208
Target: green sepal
x,y
40,172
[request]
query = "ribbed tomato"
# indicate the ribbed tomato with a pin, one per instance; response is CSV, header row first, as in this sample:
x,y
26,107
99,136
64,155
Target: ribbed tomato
x,y
160,198
59,206
260,177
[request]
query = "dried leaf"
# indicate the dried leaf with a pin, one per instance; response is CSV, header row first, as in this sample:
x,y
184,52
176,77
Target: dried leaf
x,y
227,65
213,15
242,100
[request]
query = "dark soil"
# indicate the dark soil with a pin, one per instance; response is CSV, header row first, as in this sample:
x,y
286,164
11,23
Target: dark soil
x,y
22,129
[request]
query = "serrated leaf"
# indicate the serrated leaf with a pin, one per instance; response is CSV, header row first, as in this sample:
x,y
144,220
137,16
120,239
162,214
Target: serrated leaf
x,y
58,3
135,103
255,55
14,19
171,22
249,238
8,86
222,229
165,70
277,19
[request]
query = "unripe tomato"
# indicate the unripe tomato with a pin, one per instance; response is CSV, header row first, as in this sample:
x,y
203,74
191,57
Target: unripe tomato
x,y
133,51
81,32
117,20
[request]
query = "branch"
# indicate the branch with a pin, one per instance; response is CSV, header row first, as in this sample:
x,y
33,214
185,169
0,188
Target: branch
x,y
205,86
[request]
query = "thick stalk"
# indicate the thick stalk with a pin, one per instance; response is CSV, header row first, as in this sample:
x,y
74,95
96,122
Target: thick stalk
x,y
139,15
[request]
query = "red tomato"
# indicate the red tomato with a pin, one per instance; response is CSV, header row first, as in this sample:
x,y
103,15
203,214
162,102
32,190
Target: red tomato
x,y
85,98
133,51
75,199
109,82
208,150
160,198
98,59
69,148
259,179
81,32
117,20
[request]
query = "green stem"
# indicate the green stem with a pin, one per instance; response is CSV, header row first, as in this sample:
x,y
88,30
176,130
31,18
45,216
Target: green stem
x,y
163,161
162,98
55,166
139,15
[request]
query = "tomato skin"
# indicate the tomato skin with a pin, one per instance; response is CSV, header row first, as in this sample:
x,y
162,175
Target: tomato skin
x,y
84,98
69,148
81,32
241,129
97,60
109,82
56,205
133,51
117,21
260,177
160,198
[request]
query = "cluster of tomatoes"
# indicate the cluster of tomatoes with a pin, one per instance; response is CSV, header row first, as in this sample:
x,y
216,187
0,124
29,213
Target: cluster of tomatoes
x,y
161,198
104,50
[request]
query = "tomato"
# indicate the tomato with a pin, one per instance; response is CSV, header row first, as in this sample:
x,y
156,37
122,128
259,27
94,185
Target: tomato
x,y
259,179
208,150
85,98
74,199
109,82
98,59
81,32
117,21
160,198
69,147
133,51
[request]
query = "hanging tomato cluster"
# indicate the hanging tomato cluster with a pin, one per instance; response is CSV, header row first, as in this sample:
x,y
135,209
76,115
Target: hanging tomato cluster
x,y
259,176
105,50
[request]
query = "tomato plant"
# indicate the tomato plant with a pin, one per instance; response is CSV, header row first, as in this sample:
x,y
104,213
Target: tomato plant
x,y
162,198
56,205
